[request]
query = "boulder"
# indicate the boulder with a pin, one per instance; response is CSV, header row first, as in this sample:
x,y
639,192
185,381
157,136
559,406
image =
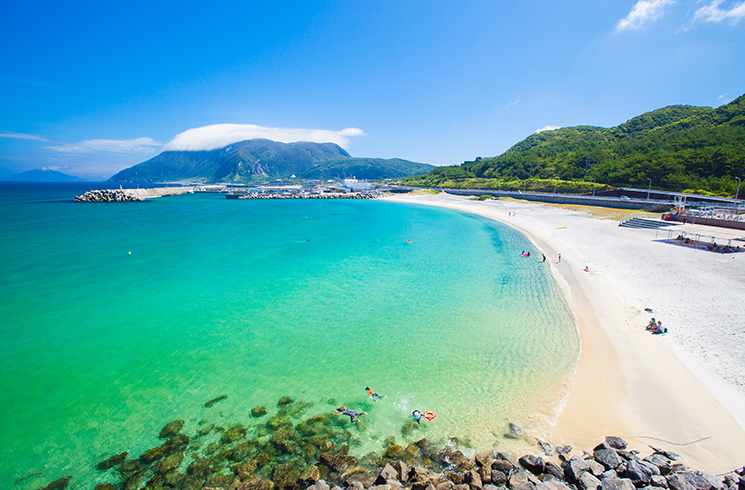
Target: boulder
x,y
402,471
608,474
514,432
387,473
285,400
112,461
258,412
498,478
697,480
608,457
484,459
554,470
534,464
170,462
517,478
617,484
525,486
322,485
615,442
104,486
588,481
446,485
659,481
461,486
233,434
394,452
59,484
310,474
473,479
574,468
502,465
661,462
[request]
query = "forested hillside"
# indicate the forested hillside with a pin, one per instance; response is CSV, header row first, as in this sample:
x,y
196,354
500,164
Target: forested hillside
x,y
678,147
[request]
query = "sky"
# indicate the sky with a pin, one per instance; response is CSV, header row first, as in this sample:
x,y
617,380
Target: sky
x,y
90,88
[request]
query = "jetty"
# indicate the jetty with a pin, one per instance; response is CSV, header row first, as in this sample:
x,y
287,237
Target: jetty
x,y
127,195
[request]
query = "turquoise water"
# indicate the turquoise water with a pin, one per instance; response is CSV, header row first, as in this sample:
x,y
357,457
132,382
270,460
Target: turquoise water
x,y
118,318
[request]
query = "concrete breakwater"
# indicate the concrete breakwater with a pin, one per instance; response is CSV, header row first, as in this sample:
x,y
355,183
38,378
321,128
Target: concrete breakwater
x,y
303,195
126,195
288,451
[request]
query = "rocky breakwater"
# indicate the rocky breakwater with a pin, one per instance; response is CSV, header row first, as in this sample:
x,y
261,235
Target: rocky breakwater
x,y
284,452
128,195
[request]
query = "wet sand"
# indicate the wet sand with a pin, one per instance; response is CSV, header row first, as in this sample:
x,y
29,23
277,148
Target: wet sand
x,y
682,392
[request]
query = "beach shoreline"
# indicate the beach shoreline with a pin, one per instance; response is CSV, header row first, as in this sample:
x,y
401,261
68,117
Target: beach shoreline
x,y
647,389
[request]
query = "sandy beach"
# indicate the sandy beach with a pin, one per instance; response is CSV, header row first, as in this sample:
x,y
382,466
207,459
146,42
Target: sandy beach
x,y
685,391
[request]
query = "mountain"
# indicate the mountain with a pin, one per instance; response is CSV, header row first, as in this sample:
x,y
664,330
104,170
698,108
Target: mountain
x,y
40,175
678,147
260,160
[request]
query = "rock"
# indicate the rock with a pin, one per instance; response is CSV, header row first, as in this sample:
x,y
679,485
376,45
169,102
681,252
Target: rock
x,y
525,486
588,481
563,450
595,468
617,484
59,484
258,412
534,464
546,448
502,465
484,459
514,432
473,479
252,484
285,400
553,470
220,398
661,462
112,461
505,457
688,480
387,473
154,454
574,468
608,474
170,462
418,474
355,485
104,486
233,434
286,476
638,472
659,481
446,485
394,452
488,486
381,487
517,478
461,486
498,478
322,485
402,471
607,457
461,462
615,442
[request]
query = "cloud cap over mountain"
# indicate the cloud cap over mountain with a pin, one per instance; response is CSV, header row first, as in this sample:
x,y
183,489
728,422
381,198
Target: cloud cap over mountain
x,y
221,135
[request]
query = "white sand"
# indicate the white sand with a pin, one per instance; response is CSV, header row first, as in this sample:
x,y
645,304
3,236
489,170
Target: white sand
x,y
682,387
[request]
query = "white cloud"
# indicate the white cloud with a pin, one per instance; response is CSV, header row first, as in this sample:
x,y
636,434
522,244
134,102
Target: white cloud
x,y
222,135
712,13
21,136
137,145
547,128
514,102
641,12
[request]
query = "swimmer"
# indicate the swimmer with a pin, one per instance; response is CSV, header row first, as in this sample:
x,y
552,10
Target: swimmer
x,y
372,394
417,415
342,410
587,269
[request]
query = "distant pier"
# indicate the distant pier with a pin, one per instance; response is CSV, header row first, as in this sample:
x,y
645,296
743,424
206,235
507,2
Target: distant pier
x,y
127,195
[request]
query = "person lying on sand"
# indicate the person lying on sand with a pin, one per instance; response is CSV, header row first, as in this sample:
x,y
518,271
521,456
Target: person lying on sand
x,y
342,410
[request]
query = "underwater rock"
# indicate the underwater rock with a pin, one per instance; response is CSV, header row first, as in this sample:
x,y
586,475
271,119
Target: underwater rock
x,y
59,484
203,431
215,400
171,429
461,462
104,486
258,412
408,428
310,474
112,461
246,469
514,432
154,454
233,434
394,452
286,476
279,421
170,462
285,400
241,451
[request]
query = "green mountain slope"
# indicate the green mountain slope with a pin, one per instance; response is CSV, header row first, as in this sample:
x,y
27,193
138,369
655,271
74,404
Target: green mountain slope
x,y
678,147
263,160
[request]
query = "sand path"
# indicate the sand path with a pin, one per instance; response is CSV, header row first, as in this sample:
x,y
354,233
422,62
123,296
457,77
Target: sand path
x,y
650,390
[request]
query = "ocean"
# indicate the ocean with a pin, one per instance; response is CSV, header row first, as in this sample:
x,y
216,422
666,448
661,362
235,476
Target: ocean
x,y
117,318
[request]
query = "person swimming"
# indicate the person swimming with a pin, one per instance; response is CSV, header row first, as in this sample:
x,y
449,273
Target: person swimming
x,y
417,416
342,410
372,394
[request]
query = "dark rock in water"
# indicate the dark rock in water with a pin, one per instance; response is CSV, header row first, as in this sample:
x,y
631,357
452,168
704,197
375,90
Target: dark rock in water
x,y
461,462
615,442
286,476
104,486
215,400
254,484
408,428
285,400
311,474
170,462
484,459
203,431
171,429
133,482
502,465
258,412
233,434
59,484
394,452
241,451
588,481
279,421
357,475
154,454
607,457
546,448
514,432
534,464
112,461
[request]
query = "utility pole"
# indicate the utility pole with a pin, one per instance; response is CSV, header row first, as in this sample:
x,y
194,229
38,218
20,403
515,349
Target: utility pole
x,y
593,187
649,188
738,189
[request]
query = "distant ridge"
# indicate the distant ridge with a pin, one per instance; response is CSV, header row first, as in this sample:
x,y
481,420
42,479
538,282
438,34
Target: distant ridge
x,y
260,160
41,175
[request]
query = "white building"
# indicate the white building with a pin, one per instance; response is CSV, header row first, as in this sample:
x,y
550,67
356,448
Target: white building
x,y
356,185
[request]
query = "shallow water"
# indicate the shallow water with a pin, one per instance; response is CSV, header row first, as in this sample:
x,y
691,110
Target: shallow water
x,y
117,318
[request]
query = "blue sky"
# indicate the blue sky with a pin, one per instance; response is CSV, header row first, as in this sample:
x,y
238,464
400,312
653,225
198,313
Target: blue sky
x,y
90,88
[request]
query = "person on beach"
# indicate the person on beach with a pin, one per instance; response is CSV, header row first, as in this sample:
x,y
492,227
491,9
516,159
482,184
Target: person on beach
x,y
560,258
652,324
372,394
587,269
659,329
342,410
544,257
